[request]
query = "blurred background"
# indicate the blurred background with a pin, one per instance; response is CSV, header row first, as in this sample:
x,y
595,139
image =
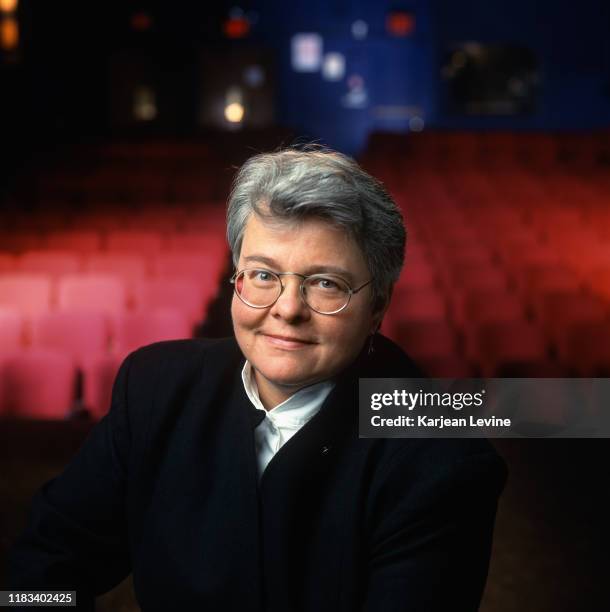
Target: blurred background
x,y
122,124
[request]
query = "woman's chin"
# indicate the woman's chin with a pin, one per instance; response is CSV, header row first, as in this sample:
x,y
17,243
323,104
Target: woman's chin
x,y
289,380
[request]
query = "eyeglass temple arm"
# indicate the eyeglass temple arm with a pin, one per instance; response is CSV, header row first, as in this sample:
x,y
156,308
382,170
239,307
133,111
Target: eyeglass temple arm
x,y
362,286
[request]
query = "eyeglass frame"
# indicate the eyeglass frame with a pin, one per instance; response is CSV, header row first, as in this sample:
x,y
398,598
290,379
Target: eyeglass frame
x,y
304,278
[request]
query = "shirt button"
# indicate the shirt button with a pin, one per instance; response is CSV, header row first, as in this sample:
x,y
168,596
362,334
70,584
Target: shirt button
x,y
325,450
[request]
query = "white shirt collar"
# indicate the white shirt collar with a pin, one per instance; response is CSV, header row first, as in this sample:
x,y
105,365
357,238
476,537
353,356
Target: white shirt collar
x,y
293,412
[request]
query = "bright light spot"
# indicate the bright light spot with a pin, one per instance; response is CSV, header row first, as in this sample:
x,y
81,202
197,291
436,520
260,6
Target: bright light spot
x,y
360,29
333,67
236,27
8,6
254,76
416,124
234,112
9,34
144,104
306,52
400,23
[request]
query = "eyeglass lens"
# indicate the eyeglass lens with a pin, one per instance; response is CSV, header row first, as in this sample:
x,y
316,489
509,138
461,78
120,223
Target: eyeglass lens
x,y
322,293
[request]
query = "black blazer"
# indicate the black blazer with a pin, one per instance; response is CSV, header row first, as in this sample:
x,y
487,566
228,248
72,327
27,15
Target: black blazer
x,y
166,487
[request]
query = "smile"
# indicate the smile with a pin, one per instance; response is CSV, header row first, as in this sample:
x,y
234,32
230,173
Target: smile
x,y
286,342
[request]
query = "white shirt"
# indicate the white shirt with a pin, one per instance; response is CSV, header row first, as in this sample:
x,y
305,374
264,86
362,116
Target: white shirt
x,y
283,421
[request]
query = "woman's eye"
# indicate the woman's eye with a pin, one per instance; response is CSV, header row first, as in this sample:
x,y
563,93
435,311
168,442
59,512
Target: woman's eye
x,y
327,283
264,276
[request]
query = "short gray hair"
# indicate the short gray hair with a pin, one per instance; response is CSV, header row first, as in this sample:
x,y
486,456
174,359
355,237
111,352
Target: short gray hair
x,y
294,184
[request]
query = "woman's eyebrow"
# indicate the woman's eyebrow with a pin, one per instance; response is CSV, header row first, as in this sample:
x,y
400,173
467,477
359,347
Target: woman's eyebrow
x,y
262,259
317,269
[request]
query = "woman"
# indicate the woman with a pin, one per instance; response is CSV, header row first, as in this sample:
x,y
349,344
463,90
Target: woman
x,y
228,474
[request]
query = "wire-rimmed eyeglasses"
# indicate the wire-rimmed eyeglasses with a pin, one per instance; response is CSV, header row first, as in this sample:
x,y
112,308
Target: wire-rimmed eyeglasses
x,y
325,294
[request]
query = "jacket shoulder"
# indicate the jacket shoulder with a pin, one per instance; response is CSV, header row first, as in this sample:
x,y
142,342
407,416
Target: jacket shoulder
x,y
154,374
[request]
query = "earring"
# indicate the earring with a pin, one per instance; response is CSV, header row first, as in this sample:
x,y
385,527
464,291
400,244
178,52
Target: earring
x,y
371,347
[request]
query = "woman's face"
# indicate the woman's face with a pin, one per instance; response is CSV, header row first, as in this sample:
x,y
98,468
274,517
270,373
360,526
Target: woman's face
x,y
288,344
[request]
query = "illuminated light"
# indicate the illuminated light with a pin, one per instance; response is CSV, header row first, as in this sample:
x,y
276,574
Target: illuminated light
x,y
333,66
141,21
306,52
360,29
144,104
234,112
357,95
254,76
416,124
8,6
236,27
9,34
400,23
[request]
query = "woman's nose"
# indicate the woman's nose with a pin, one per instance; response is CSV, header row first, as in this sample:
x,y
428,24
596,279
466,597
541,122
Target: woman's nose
x,y
290,304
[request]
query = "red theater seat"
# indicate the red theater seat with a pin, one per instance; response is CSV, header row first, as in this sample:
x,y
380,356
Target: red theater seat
x,y
92,292
418,275
451,366
543,278
561,310
139,242
599,280
28,293
501,344
213,242
75,333
468,279
53,263
426,340
420,304
128,267
488,306
8,263
205,268
77,241
18,242
185,295
135,329
38,384
11,330
585,348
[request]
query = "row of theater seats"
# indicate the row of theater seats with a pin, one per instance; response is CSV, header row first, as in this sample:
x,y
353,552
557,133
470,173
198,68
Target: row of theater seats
x,y
31,294
72,358
493,149
77,296
127,263
508,267
85,240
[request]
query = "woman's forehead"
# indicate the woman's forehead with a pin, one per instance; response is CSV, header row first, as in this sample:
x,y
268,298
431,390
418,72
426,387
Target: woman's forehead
x,y
307,242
